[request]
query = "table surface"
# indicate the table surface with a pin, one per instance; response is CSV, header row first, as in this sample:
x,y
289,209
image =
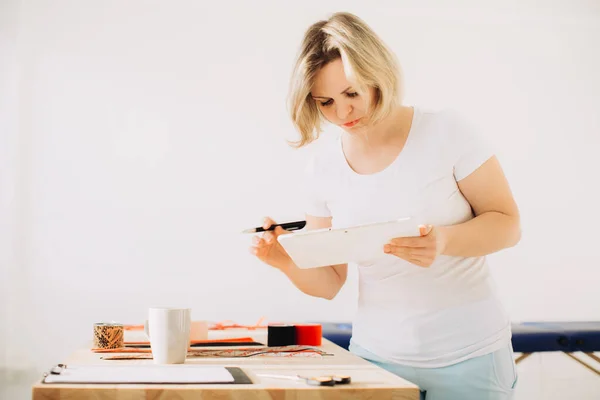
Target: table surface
x,y
368,380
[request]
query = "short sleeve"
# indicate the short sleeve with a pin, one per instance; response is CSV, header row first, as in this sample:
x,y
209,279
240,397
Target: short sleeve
x,y
470,149
314,197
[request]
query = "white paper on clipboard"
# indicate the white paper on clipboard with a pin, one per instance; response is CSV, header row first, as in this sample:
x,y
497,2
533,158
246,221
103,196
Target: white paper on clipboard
x,y
331,246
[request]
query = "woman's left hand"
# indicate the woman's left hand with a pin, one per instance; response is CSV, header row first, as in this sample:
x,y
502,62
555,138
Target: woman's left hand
x,y
422,250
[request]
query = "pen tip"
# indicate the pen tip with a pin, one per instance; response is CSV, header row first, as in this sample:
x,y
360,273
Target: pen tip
x,y
252,230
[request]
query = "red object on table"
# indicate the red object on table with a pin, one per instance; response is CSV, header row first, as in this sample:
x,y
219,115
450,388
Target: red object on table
x,y
308,334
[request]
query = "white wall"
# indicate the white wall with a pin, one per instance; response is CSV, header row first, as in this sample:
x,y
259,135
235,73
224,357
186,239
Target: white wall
x,y
8,166
153,132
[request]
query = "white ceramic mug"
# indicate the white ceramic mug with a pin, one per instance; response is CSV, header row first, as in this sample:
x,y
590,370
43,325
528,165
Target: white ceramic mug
x,y
168,330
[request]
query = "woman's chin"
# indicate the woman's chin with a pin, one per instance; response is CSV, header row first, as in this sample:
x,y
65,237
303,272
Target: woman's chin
x,y
356,129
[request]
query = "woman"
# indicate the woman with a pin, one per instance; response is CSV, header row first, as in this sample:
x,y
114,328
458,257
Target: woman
x,y
427,308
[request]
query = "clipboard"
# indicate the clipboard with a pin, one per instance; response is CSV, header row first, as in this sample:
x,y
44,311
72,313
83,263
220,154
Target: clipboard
x,y
145,374
332,246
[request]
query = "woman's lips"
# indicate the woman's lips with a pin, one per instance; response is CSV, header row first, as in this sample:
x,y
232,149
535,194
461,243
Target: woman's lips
x,y
351,123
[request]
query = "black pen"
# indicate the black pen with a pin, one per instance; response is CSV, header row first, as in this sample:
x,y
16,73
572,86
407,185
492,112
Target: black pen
x,y
288,226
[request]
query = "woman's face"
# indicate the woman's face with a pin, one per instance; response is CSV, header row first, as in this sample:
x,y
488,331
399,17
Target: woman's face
x,y
338,100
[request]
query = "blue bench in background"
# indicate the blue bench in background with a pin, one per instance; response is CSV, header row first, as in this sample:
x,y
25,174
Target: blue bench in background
x,y
527,338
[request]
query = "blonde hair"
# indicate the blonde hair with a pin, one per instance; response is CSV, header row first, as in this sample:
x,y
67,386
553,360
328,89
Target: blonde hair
x,y
367,62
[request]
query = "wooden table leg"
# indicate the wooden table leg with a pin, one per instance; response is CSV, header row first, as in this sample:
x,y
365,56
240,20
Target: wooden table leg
x,y
593,357
522,357
584,363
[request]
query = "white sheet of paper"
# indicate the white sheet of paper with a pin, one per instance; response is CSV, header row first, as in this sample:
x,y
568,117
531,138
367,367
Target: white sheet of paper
x,y
142,374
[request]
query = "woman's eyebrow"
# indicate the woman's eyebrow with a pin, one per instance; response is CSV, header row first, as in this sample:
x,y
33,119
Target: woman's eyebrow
x,y
322,97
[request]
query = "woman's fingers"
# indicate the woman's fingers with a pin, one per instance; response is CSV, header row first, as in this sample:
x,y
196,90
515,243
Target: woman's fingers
x,y
259,250
263,243
258,245
410,241
416,255
268,237
408,252
267,222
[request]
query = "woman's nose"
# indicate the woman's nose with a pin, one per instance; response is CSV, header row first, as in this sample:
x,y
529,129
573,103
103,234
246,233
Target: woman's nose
x,y
343,110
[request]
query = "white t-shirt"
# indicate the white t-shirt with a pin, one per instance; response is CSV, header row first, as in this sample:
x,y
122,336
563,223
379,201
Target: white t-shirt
x,y
422,317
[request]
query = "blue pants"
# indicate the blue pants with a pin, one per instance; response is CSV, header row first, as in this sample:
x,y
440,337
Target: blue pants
x,y
489,377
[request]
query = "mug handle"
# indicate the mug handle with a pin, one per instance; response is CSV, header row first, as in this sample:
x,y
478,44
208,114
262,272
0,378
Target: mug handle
x,y
147,329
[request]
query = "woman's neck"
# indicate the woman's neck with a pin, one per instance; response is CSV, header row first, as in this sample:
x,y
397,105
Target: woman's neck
x,y
393,130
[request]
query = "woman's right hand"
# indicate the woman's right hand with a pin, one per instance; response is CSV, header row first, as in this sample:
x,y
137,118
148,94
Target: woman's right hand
x,y
267,248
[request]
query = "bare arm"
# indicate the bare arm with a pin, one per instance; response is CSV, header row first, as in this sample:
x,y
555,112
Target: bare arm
x,y
323,282
496,224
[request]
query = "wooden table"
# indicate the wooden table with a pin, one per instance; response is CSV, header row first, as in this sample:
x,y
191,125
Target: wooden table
x,y
368,380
